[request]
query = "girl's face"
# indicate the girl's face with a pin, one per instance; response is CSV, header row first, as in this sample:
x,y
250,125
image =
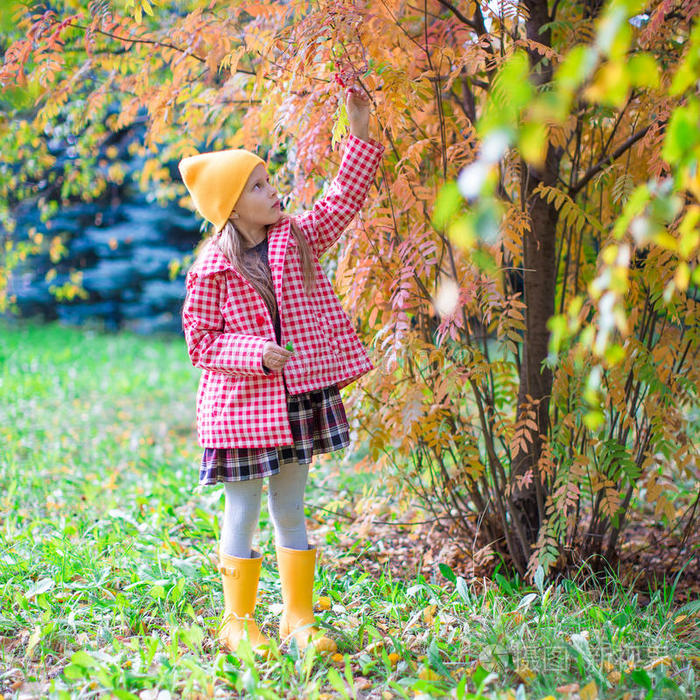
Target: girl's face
x,y
258,204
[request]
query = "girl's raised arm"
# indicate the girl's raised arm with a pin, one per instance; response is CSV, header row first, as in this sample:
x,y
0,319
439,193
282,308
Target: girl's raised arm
x,y
330,216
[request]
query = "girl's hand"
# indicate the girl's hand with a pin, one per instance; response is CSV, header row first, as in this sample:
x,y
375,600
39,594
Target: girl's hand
x,y
357,106
275,356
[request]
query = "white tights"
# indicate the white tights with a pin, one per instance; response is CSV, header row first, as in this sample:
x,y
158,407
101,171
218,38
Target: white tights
x,y
285,503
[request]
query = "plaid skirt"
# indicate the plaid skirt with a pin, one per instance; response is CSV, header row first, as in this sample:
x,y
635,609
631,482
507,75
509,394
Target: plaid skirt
x,y
318,422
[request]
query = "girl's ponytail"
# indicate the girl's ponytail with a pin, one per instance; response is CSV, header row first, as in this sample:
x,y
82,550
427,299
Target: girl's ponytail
x,y
307,258
229,242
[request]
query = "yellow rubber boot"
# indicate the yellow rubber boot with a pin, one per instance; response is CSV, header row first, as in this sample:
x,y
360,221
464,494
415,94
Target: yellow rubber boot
x,y
240,582
296,567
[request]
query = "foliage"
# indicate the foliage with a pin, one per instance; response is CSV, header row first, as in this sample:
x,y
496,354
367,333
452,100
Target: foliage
x,y
540,180
108,583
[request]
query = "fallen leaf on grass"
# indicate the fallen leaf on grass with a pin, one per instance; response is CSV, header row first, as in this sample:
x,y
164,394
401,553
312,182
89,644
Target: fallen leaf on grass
x,y
526,674
666,660
33,641
568,688
427,674
589,691
363,684
429,614
614,677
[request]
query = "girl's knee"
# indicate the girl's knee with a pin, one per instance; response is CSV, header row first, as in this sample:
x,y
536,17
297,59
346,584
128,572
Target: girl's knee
x,y
287,511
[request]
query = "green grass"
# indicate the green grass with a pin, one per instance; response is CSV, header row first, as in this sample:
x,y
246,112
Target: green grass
x,y
108,585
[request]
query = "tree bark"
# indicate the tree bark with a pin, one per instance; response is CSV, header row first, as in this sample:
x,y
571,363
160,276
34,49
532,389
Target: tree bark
x,y
539,279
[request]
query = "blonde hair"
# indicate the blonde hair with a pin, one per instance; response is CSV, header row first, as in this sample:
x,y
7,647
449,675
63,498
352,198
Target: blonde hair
x,y
231,243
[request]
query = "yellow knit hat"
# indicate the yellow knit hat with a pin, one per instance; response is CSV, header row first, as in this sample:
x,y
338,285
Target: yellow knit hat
x,y
216,179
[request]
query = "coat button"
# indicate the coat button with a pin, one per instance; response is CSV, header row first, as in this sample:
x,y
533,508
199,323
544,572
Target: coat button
x,y
259,319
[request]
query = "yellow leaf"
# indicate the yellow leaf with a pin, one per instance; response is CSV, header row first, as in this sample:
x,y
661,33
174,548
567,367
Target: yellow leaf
x,y
609,86
666,240
33,641
462,233
338,658
666,660
394,658
532,140
692,182
427,674
589,691
374,646
429,614
324,603
340,125
526,673
517,618
682,276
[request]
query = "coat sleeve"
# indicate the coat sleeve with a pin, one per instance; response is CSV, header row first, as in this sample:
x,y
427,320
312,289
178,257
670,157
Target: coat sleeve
x,y
331,214
209,347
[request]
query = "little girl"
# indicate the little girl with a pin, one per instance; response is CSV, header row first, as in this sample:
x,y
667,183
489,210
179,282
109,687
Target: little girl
x,y
263,323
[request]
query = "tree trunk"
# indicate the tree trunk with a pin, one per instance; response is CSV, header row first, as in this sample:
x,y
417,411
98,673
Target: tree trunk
x,y
539,279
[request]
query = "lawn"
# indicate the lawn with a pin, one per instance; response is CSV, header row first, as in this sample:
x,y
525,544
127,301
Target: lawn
x,y
108,585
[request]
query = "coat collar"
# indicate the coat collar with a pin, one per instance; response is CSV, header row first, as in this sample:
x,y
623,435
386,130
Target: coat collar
x,y
214,260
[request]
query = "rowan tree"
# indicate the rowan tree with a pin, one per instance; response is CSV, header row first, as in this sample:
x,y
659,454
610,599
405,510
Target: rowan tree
x,y
525,270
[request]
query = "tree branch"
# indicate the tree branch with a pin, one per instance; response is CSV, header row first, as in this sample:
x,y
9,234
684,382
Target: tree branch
x,y
603,162
554,11
131,40
459,15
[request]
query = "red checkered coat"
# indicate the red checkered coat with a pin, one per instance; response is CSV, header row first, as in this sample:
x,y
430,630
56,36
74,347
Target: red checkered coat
x,y
226,322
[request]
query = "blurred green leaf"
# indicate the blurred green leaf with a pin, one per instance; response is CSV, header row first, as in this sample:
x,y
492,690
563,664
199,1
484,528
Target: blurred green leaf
x,y
682,133
447,204
643,70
